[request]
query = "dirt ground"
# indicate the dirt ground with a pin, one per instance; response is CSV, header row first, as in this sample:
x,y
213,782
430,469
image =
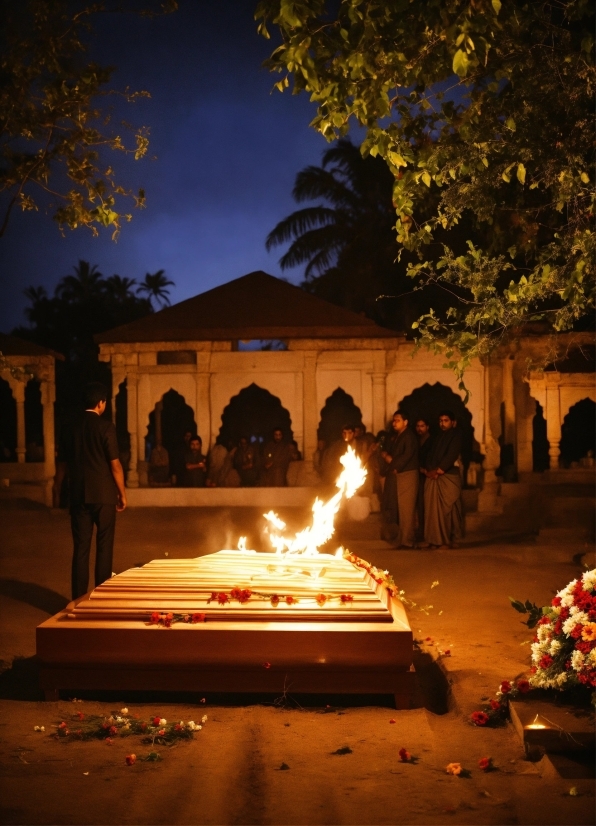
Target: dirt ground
x,y
230,772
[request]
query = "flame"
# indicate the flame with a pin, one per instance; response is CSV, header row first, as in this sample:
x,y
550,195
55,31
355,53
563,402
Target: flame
x,y
308,541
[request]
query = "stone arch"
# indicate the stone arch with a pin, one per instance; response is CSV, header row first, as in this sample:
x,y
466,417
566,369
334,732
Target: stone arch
x,y
339,409
427,401
578,432
176,418
34,421
8,423
254,412
540,445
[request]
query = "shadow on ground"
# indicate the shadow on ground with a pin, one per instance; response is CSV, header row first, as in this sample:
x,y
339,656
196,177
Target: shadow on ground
x,y
35,595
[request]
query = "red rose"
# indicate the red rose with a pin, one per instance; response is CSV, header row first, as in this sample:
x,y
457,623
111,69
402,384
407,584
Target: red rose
x,y
155,617
505,687
479,718
404,756
197,618
155,721
523,686
485,763
495,705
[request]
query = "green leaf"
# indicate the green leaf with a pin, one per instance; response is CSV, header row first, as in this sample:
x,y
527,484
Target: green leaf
x,y
461,63
519,606
521,173
426,178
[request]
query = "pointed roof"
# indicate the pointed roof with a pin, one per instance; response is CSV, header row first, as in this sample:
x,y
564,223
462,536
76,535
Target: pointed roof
x,y
13,346
255,306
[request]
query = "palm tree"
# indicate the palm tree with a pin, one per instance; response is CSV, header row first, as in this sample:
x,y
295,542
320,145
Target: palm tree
x,y
87,284
155,287
120,288
348,241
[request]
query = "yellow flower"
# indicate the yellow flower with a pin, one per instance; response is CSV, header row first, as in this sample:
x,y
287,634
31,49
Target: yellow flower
x,y
453,768
589,632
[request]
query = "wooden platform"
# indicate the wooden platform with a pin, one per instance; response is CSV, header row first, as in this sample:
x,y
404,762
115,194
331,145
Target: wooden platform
x,y
105,640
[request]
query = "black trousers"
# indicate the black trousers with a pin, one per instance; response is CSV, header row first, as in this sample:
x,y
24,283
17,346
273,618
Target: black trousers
x,y
82,520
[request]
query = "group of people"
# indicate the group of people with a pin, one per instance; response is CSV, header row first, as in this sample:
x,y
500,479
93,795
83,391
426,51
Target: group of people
x,y
245,463
421,496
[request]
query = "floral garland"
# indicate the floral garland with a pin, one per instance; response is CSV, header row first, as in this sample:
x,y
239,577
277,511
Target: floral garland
x,y
496,711
122,724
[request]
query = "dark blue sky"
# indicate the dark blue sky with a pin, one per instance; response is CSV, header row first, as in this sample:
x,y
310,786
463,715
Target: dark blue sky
x,y
227,150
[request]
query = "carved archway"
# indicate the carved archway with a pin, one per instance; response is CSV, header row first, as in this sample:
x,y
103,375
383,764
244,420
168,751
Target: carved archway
x,y
254,412
177,417
339,410
578,432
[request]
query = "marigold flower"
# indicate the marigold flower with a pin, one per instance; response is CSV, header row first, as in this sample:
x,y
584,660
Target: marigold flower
x,y
589,632
453,768
479,718
485,763
130,759
404,755
523,686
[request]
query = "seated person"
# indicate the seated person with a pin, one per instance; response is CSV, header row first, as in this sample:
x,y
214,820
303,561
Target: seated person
x,y
196,464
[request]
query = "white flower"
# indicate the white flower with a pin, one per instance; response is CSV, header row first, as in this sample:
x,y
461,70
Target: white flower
x,y
198,728
577,660
580,618
39,728
119,720
204,718
123,711
589,580
591,658
561,678
191,725
163,721
543,632
554,647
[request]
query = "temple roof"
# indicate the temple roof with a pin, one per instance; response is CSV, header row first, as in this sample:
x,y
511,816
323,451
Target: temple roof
x,y
255,306
13,346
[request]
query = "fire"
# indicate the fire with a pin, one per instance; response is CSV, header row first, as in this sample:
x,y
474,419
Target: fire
x,y
308,541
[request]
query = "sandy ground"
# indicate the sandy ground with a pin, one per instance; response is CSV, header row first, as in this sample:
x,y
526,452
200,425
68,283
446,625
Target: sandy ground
x,y
230,772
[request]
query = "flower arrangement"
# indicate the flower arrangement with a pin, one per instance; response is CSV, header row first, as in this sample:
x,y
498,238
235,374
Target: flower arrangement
x,y
122,724
564,648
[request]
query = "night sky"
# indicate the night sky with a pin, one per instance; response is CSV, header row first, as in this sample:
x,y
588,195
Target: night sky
x,y
227,150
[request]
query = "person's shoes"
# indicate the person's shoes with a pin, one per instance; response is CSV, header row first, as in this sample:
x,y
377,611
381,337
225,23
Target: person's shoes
x,y
423,545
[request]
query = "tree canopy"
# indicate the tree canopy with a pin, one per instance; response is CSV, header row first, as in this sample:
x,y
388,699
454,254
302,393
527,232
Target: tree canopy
x,y
483,112
56,113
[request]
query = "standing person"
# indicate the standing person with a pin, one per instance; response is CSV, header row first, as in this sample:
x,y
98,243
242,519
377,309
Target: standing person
x,y
331,467
245,462
195,464
424,443
403,460
96,489
277,455
442,487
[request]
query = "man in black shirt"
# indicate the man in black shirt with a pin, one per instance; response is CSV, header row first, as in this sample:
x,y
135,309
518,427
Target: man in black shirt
x,y
403,461
96,489
424,445
442,489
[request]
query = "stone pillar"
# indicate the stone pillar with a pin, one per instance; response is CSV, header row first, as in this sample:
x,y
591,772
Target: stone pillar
x,y
132,480
18,391
379,391
509,405
118,377
525,410
553,418
203,400
310,415
489,446
49,458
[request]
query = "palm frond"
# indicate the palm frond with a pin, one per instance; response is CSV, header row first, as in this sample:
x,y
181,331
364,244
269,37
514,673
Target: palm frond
x,y
299,223
314,182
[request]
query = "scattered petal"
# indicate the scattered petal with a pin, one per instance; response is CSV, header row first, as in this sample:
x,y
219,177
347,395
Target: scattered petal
x,y
393,720
130,759
574,791
266,665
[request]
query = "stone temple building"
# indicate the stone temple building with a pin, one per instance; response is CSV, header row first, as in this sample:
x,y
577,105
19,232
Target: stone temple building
x,y
258,340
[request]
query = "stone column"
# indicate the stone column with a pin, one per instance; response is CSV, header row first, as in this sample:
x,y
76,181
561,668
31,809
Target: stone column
x,y
379,391
203,399
18,391
553,418
509,405
49,458
489,500
310,414
132,480
118,377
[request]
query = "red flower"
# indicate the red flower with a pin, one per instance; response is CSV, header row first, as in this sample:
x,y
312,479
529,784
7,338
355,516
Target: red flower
x,y
447,652
266,665
275,600
143,726
155,617
155,721
576,632
404,756
479,718
177,727
130,759
80,715
197,618
222,598
346,598
245,595
321,599
213,596
556,601
393,720
523,686
290,600
545,661
485,763
495,705
62,725
113,731
161,732
505,687
108,741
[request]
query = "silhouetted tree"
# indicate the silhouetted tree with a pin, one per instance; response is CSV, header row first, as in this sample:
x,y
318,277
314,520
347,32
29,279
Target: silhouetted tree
x,y
155,286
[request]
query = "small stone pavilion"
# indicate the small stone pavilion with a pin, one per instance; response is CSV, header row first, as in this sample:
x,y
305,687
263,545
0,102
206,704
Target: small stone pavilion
x,y
312,349
28,387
